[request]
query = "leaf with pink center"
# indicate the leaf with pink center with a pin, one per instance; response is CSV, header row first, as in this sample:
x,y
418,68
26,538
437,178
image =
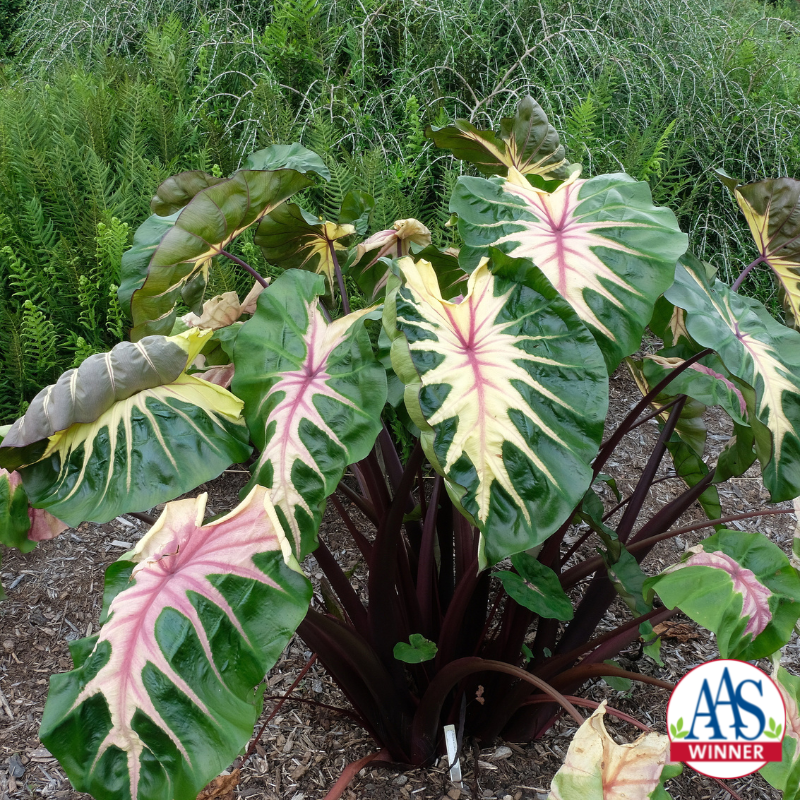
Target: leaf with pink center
x,y
739,585
509,391
600,242
163,698
759,352
313,394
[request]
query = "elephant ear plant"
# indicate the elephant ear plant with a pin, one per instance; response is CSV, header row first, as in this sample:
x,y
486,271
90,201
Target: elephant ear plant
x,y
492,558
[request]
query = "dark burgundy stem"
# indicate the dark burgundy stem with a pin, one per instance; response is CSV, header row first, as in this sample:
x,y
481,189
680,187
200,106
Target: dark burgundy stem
x,y
245,266
746,271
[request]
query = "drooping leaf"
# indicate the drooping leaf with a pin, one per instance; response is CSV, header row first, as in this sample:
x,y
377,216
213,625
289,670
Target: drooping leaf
x,y
355,211
772,210
125,431
509,391
223,310
292,238
737,456
313,394
527,142
181,247
600,242
536,587
705,381
176,191
418,649
597,768
739,585
369,267
288,156
760,352
785,775
164,700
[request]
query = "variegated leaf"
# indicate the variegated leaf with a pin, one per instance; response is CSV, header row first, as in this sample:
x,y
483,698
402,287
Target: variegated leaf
x,y
739,585
291,237
772,211
528,143
171,256
125,431
313,394
509,391
757,350
600,242
597,768
370,272
163,699
785,775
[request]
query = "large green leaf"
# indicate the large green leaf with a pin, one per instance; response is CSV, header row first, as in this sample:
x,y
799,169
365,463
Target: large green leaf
x,y
536,587
125,431
163,699
757,350
785,775
291,237
288,156
601,242
177,190
510,393
181,247
739,585
528,143
772,210
313,394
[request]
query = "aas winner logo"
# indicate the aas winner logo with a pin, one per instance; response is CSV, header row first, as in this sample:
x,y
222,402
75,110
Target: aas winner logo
x,y
726,719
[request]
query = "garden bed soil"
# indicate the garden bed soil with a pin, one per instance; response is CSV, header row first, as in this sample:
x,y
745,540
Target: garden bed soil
x,y
55,592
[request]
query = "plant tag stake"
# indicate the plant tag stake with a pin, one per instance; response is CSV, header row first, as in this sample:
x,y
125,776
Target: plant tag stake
x,y
453,760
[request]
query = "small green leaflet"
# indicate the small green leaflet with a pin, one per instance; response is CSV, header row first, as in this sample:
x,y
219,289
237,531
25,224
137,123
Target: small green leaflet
x,y
418,650
536,587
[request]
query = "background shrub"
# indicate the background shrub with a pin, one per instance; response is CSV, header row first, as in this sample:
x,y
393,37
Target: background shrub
x,y
107,98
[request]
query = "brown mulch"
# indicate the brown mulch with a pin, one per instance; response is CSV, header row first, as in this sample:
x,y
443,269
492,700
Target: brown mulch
x,y
55,595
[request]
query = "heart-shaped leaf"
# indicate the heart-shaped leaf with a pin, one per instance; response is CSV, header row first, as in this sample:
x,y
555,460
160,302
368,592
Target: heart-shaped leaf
x,y
772,211
125,431
600,242
171,256
163,698
313,394
288,156
757,350
291,237
509,391
740,586
528,143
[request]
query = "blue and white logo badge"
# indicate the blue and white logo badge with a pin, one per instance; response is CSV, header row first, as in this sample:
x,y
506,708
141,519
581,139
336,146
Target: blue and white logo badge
x,y
726,719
